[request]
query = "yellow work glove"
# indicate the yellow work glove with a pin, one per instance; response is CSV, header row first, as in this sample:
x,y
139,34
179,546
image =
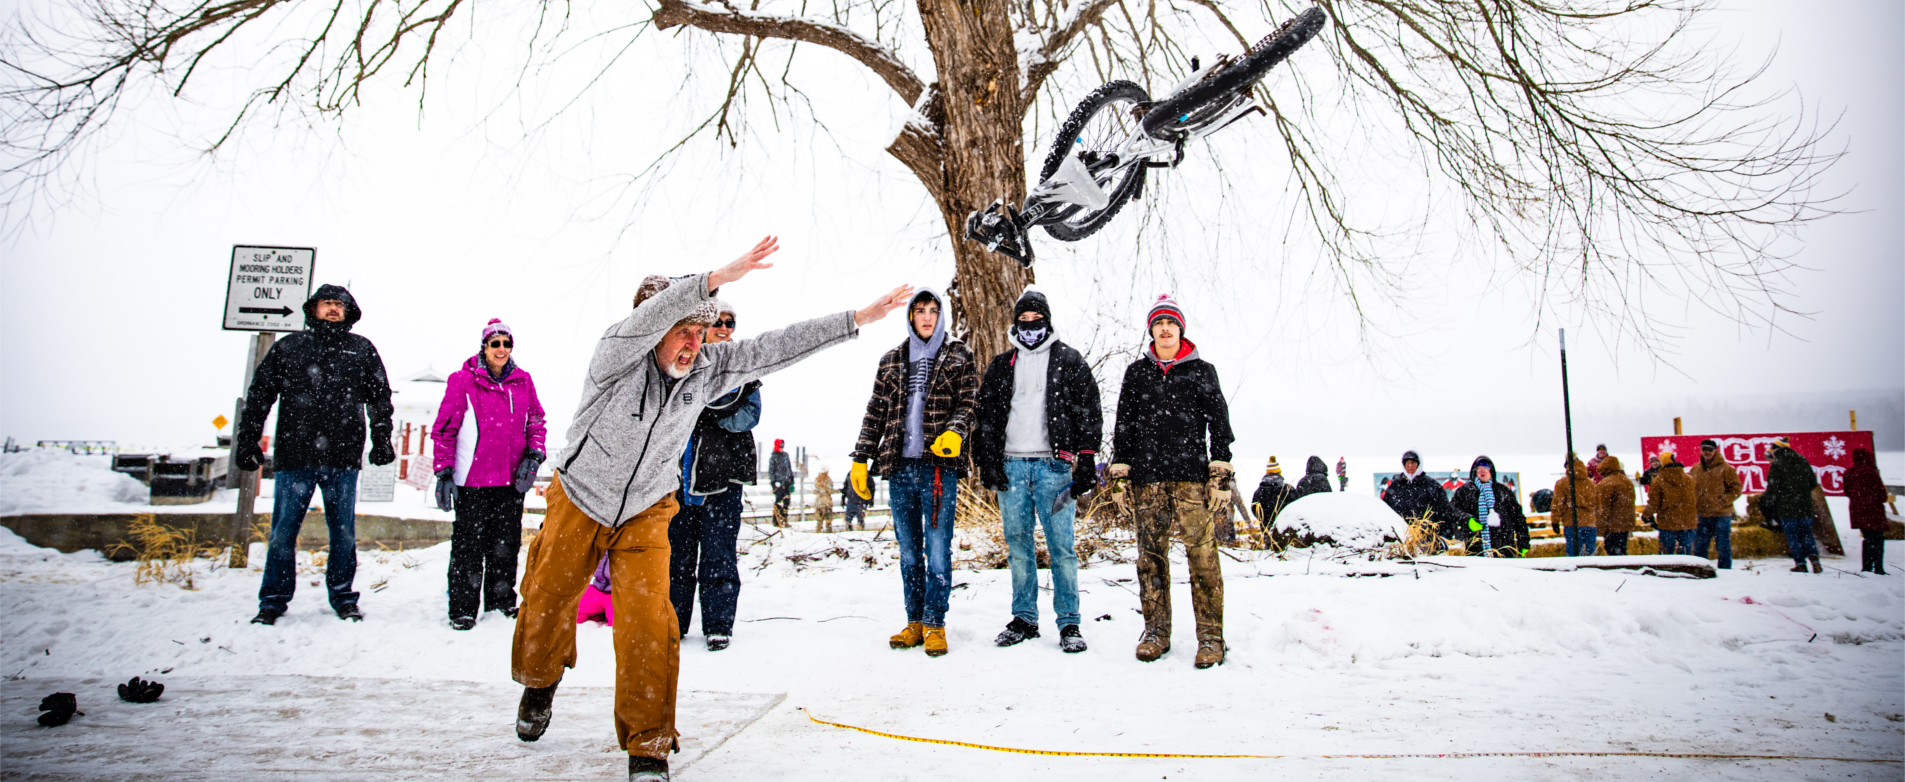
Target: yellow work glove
x,y
858,478
948,444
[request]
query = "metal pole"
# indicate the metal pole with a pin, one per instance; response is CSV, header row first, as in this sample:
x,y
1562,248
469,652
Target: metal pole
x,y
1567,416
247,480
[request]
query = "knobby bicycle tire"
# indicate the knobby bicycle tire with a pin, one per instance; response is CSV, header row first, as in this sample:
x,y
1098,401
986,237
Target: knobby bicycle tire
x,y
1061,229
1273,49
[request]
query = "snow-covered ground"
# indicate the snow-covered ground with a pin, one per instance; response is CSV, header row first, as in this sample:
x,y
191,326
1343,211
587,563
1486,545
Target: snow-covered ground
x,y
1327,658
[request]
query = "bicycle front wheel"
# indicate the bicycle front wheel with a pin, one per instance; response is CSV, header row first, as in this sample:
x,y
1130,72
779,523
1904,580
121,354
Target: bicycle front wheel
x,y
1096,128
1188,108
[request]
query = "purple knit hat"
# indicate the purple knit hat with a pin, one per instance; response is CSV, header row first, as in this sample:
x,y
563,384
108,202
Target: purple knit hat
x,y
494,327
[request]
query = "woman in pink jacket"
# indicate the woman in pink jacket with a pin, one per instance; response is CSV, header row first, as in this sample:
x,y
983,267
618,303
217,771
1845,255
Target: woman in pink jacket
x,y
488,441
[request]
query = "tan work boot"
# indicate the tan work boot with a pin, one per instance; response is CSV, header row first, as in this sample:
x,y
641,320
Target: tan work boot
x,y
935,641
1151,646
1210,653
912,636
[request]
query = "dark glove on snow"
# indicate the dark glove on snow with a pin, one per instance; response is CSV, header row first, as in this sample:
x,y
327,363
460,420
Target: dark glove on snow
x,y
59,707
993,478
382,453
526,470
1084,474
247,456
140,691
446,489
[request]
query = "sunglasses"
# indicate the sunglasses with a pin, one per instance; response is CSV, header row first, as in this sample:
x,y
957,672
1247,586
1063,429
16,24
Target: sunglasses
x,y
724,323
499,343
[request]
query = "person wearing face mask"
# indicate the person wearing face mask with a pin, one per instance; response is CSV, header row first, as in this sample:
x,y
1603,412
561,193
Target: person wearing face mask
x,y
1036,444
614,492
488,441
1172,441
1493,514
330,381
925,396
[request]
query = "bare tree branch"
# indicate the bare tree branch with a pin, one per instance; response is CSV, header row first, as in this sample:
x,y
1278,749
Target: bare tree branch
x,y
730,20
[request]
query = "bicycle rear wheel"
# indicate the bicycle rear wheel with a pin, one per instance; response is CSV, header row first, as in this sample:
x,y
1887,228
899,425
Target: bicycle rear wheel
x,y
1188,108
1096,127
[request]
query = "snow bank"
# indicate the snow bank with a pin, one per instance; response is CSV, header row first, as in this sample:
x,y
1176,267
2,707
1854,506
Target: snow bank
x,y
42,480
1354,521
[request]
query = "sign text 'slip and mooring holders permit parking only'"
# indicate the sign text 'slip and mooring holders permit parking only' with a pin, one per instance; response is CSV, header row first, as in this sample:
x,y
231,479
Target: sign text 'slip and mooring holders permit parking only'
x,y
267,288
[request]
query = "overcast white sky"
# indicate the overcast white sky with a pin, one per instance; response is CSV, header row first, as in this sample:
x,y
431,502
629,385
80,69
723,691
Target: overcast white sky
x,y
111,301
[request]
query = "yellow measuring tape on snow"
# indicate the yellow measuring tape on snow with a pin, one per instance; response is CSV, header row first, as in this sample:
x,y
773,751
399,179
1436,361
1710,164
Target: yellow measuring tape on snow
x,y
1367,756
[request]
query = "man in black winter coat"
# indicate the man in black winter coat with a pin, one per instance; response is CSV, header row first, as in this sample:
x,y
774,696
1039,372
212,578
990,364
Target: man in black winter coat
x,y
1788,501
1036,444
1490,513
1316,478
328,379
780,475
1271,497
1413,494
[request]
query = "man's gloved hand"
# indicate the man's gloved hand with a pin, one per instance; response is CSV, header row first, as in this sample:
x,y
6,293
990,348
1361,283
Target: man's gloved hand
x,y
1118,472
948,444
59,707
525,478
993,478
1217,490
446,489
140,691
1494,519
1084,474
1474,526
858,479
382,453
247,456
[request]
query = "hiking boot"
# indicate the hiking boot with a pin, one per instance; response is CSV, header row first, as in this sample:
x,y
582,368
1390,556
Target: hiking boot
x,y
913,635
1016,631
266,616
462,622
1815,566
350,612
641,769
1070,640
1209,653
532,714
1151,646
1799,568
717,643
936,641
511,611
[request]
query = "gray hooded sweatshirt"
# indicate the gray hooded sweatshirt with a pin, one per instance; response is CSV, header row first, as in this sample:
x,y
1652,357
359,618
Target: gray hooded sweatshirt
x,y
625,445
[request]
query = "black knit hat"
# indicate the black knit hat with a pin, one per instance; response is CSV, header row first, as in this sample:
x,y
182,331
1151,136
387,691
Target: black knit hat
x,y
1411,456
1032,301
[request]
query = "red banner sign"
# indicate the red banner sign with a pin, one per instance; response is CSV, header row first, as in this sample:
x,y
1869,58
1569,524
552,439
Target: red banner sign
x,y
1829,452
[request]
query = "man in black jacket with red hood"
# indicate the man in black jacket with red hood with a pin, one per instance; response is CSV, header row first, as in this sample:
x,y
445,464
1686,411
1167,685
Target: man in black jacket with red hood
x,y
1169,400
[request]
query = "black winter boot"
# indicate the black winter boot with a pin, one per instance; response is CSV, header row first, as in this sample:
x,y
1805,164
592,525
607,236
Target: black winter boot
x,y
1070,640
462,622
717,642
351,613
1016,631
266,616
641,769
532,714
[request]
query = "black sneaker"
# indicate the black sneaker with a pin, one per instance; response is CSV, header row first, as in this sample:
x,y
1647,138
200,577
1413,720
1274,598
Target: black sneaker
x,y
266,616
1070,640
462,622
641,769
350,612
532,713
1016,631
717,643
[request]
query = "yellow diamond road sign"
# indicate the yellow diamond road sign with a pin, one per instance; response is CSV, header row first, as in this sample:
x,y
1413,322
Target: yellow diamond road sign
x,y
220,422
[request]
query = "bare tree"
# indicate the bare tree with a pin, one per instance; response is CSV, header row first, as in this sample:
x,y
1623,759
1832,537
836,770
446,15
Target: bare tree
x,y
1594,143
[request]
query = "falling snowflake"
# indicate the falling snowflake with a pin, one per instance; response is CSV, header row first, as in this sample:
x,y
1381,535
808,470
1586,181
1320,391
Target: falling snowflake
x,y
1835,447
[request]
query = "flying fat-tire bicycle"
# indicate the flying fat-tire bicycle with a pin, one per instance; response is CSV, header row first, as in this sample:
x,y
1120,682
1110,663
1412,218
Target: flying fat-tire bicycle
x,y
1099,158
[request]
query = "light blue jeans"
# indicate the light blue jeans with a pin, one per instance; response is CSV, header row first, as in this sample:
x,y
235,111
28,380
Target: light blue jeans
x,y
1715,529
915,491
1676,541
1580,542
1032,486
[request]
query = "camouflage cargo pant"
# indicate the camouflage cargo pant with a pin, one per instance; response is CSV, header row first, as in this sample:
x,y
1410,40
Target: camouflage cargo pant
x,y
1157,506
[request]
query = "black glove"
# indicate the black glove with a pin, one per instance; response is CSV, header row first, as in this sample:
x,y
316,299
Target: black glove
x,y
59,707
526,470
382,453
446,489
1084,474
247,456
993,478
140,691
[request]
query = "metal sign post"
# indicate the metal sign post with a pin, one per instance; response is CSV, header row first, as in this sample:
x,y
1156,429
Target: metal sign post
x,y
1567,416
265,292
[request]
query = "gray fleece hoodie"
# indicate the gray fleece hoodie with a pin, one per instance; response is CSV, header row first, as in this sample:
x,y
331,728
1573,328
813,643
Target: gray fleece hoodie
x,y
625,446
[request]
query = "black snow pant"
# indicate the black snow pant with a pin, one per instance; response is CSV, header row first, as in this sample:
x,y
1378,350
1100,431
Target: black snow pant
x,y
783,492
702,556
483,547
1615,543
1872,551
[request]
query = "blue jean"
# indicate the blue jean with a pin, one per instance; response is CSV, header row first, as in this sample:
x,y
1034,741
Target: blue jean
x,y
291,495
1032,485
701,553
1799,541
914,491
1676,541
1580,541
1715,530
